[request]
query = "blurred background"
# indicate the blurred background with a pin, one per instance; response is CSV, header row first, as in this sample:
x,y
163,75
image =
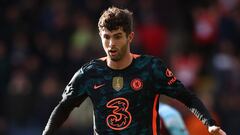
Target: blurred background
x,y
44,42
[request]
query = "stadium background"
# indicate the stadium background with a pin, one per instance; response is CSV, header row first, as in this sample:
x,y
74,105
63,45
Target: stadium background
x,y
43,42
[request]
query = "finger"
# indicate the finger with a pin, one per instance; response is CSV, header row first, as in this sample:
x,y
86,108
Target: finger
x,y
215,130
222,132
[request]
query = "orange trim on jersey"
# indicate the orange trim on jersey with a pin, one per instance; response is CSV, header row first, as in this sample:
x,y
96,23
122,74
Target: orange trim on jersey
x,y
155,114
135,56
103,58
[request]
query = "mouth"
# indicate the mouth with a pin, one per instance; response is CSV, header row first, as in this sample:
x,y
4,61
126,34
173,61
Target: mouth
x,y
113,52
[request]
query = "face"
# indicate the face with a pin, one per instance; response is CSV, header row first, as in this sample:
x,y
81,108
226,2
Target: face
x,y
116,43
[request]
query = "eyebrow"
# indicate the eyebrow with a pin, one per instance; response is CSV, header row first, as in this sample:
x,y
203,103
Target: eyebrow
x,y
117,34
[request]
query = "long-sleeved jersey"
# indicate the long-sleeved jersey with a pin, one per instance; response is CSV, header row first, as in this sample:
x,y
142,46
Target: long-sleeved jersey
x,y
125,101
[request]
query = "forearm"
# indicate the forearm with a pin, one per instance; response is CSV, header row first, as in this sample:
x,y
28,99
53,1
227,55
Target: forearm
x,y
201,112
57,118
196,107
189,99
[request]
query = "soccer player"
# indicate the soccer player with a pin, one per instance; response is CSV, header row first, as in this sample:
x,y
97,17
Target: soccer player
x,y
171,121
124,87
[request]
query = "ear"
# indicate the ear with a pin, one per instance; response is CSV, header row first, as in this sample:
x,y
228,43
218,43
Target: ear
x,y
130,37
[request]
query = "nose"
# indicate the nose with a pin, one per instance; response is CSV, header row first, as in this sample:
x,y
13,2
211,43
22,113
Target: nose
x,y
111,42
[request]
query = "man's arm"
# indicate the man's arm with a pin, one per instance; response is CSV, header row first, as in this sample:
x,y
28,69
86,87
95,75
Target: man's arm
x,y
196,106
73,95
61,113
58,116
170,86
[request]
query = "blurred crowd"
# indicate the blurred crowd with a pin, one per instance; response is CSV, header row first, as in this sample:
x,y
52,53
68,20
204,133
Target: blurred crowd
x,y
43,42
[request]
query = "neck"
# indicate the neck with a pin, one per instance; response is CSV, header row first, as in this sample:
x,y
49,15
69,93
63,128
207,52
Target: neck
x,y
121,64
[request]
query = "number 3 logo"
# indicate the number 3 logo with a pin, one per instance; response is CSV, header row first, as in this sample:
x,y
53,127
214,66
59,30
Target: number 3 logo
x,y
120,117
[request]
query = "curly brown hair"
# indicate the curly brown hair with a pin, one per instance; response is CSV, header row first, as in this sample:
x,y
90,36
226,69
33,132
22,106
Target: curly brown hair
x,y
114,18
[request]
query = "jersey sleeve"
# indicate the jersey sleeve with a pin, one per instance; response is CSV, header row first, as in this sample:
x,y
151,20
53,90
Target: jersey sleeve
x,y
164,80
73,95
76,89
167,84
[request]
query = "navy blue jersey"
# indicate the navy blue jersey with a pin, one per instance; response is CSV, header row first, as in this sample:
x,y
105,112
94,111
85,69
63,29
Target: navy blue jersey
x,y
126,101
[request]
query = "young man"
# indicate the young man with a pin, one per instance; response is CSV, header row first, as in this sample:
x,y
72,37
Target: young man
x,y
124,87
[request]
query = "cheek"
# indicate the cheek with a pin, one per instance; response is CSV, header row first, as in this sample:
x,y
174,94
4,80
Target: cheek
x,y
122,42
124,46
105,45
105,42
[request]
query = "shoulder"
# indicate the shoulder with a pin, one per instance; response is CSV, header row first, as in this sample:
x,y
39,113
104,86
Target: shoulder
x,y
150,58
141,59
149,61
153,61
93,66
86,68
156,60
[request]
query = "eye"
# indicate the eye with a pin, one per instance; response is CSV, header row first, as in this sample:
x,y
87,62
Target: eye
x,y
106,36
118,36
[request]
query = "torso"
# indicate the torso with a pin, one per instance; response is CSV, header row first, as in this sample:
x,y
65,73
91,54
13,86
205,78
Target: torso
x,y
123,99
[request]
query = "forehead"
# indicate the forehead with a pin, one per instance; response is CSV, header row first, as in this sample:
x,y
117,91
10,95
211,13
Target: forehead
x,y
105,31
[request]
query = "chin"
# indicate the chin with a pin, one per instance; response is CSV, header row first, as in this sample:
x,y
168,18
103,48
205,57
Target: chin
x,y
115,58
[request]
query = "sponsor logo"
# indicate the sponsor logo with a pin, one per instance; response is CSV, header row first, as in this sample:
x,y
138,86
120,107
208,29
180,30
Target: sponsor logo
x,y
174,79
169,74
120,118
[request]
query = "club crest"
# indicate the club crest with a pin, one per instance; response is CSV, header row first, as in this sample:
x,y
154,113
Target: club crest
x,y
136,84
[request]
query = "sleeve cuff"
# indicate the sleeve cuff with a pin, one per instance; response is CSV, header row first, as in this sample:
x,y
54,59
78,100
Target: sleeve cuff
x,y
211,122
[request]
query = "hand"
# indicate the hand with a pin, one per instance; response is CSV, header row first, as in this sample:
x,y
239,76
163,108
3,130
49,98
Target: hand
x,y
215,130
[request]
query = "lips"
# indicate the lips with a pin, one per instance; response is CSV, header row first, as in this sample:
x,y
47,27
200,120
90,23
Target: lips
x,y
113,52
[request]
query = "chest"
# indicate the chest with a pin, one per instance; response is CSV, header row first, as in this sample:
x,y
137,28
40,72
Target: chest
x,y
132,86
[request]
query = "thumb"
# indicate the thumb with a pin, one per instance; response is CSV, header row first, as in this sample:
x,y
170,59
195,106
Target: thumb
x,y
213,129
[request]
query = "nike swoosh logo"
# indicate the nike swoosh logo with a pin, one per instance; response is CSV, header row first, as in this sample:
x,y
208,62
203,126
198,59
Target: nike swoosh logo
x,y
98,86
